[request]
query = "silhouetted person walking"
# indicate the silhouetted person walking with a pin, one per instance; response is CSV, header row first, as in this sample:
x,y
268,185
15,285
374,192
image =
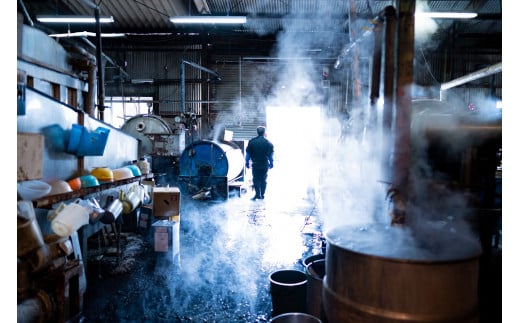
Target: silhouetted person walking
x,y
260,151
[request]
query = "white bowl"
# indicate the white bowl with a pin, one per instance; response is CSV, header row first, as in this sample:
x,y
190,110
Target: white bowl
x,y
59,187
33,189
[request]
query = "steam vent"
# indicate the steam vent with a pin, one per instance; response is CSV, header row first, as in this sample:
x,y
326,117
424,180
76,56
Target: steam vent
x,y
241,161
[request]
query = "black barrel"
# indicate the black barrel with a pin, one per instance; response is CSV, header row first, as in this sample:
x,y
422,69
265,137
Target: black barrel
x,y
288,291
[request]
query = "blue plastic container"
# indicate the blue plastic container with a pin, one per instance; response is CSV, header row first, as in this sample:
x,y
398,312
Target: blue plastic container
x,y
85,143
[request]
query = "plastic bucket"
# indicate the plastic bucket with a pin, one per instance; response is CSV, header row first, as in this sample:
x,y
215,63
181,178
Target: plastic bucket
x,y
87,143
307,261
288,290
295,318
315,272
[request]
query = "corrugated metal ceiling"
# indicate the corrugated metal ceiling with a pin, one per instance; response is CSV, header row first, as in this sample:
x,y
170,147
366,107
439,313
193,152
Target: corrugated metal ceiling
x,y
152,16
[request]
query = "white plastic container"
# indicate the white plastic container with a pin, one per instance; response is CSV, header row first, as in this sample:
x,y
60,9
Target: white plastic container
x,y
144,165
33,189
69,219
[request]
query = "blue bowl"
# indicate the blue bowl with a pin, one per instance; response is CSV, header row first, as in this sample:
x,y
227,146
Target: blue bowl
x,y
88,181
135,170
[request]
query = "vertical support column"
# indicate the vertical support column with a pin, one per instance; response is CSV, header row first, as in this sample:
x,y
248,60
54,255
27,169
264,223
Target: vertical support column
x,y
405,54
357,106
101,81
389,79
376,74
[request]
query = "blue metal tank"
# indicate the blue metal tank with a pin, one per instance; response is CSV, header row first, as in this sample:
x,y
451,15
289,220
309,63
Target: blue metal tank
x,y
211,158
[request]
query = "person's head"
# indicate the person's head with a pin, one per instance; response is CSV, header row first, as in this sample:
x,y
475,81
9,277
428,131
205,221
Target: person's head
x,y
260,130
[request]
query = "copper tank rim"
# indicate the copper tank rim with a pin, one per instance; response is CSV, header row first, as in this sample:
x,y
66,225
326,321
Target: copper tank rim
x,y
470,257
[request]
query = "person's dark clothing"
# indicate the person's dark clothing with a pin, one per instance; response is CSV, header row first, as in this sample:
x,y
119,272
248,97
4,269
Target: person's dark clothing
x,y
260,151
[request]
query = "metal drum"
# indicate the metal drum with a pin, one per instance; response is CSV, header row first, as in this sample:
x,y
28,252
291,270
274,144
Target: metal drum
x,y
142,125
211,158
378,274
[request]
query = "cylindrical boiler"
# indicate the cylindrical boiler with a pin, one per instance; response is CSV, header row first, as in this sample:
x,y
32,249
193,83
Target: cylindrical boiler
x,y
142,125
211,158
379,274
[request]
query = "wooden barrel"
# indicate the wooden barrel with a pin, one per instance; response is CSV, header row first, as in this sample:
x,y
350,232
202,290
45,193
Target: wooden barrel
x,y
365,283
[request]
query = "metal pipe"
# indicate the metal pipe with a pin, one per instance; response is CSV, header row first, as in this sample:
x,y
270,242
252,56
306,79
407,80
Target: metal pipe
x,y
183,79
108,59
203,69
400,157
389,68
183,87
346,50
376,75
36,309
376,66
240,90
100,87
91,64
90,99
386,16
90,4
490,70
25,13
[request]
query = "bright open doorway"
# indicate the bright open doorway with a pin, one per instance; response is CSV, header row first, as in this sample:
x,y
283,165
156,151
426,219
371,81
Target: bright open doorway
x,y
296,135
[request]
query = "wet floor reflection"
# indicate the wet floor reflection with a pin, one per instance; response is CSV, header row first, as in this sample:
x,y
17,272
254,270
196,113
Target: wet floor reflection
x,y
228,250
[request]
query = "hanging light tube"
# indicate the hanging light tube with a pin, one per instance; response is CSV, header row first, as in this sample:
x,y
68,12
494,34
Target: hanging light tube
x,y
447,15
87,34
209,19
73,19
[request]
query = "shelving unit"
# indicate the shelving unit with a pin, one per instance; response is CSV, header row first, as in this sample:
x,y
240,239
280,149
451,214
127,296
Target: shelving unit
x,y
87,230
48,201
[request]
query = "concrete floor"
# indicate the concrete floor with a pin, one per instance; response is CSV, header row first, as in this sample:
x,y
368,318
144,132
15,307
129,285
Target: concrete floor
x,y
227,251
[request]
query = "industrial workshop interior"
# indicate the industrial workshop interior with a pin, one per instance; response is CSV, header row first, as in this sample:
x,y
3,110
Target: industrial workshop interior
x,y
135,202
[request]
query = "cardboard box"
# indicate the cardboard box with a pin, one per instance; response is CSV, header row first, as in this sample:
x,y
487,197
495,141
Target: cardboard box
x,y
30,156
166,237
166,203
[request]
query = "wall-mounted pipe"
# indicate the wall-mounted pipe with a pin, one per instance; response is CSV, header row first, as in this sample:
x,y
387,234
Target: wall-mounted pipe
x,y
108,59
26,14
347,48
387,18
490,70
183,79
91,63
99,51
389,15
376,69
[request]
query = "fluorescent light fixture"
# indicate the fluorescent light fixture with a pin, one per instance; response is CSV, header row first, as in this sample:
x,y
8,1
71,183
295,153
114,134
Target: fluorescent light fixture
x,y
60,19
447,15
141,81
87,34
208,19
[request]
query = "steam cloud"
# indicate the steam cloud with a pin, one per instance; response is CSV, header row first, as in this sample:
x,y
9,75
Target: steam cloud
x,y
329,162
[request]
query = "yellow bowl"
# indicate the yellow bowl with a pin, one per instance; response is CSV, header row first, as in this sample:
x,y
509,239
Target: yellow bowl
x,y
103,174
